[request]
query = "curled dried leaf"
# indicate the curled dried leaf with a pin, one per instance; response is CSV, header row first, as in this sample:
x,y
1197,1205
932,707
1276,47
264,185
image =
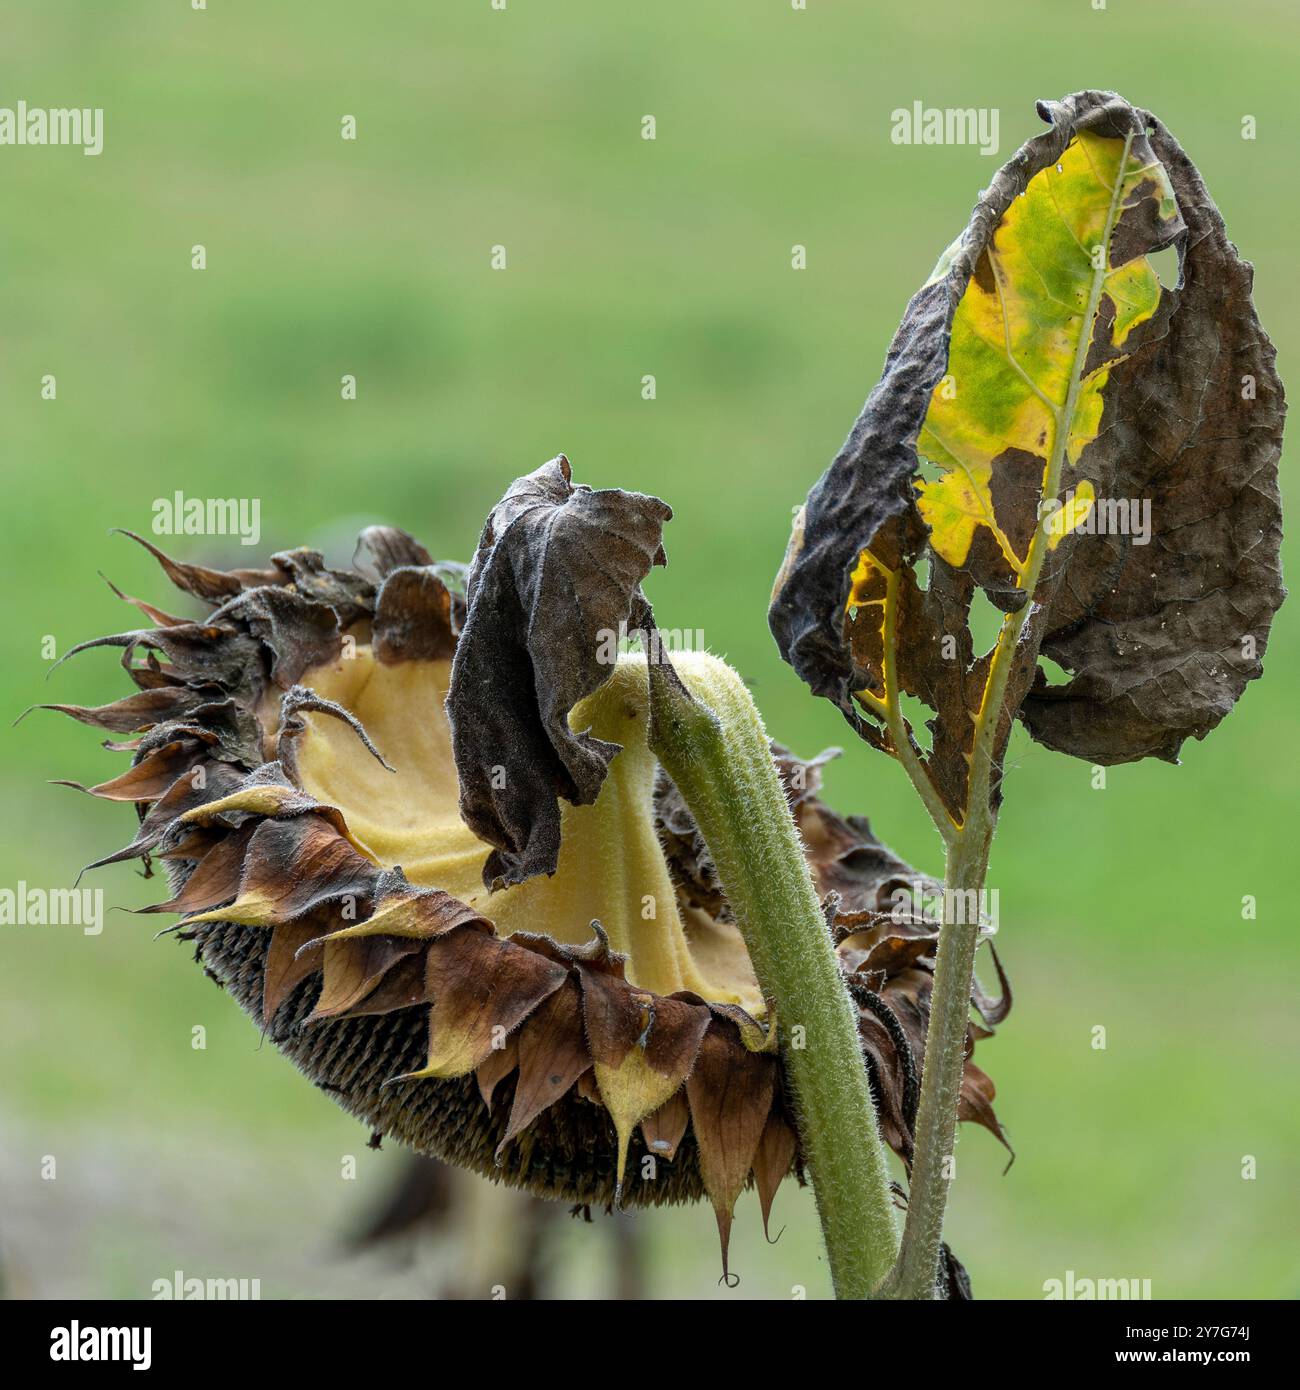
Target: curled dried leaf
x,y
1043,353
556,576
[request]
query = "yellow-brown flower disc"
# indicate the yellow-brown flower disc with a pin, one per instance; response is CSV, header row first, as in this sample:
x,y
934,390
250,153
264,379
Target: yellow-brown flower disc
x,y
588,1032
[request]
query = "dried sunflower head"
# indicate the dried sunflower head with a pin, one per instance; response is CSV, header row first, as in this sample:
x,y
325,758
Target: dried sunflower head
x,y
420,836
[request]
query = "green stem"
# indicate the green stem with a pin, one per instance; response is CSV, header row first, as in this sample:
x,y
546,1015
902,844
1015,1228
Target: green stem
x,y
713,745
916,1272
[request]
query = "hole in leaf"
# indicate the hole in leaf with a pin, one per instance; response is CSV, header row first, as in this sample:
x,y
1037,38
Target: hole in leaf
x,y
1165,265
916,712
985,623
1055,673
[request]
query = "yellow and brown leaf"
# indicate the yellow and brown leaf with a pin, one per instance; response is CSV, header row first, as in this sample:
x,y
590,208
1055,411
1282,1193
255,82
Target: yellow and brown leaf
x,y
1044,319
1044,349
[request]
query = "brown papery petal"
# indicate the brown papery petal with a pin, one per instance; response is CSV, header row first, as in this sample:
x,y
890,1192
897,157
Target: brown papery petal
x,y
500,1062
292,867
730,1094
286,968
643,1046
354,968
480,985
772,1161
664,1130
552,1056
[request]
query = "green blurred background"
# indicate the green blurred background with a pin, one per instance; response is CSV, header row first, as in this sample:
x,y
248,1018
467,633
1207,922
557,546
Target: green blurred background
x,y
522,127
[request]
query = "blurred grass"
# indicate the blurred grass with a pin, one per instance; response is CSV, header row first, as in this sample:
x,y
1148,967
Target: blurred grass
x,y
625,257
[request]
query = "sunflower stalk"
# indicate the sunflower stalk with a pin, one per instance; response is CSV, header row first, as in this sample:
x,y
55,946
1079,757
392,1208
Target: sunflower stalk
x,y
711,741
916,1273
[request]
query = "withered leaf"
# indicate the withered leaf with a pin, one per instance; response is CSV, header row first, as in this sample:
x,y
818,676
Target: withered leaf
x,y
772,1161
135,712
151,776
214,586
203,782
293,867
216,877
402,987
1163,637
558,567
299,632
1164,398
643,1047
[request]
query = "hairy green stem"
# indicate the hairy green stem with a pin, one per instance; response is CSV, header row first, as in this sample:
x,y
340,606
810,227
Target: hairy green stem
x,y
915,1276
712,743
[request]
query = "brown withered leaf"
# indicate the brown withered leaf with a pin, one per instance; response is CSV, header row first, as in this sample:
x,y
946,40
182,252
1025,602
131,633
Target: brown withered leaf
x,y
299,632
664,1129
216,876
157,616
135,712
398,908
402,987
197,654
558,568
293,867
1180,406
203,782
773,1159
908,997
266,791
954,1282
348,595
353,969
1163,638
213,586
149,777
